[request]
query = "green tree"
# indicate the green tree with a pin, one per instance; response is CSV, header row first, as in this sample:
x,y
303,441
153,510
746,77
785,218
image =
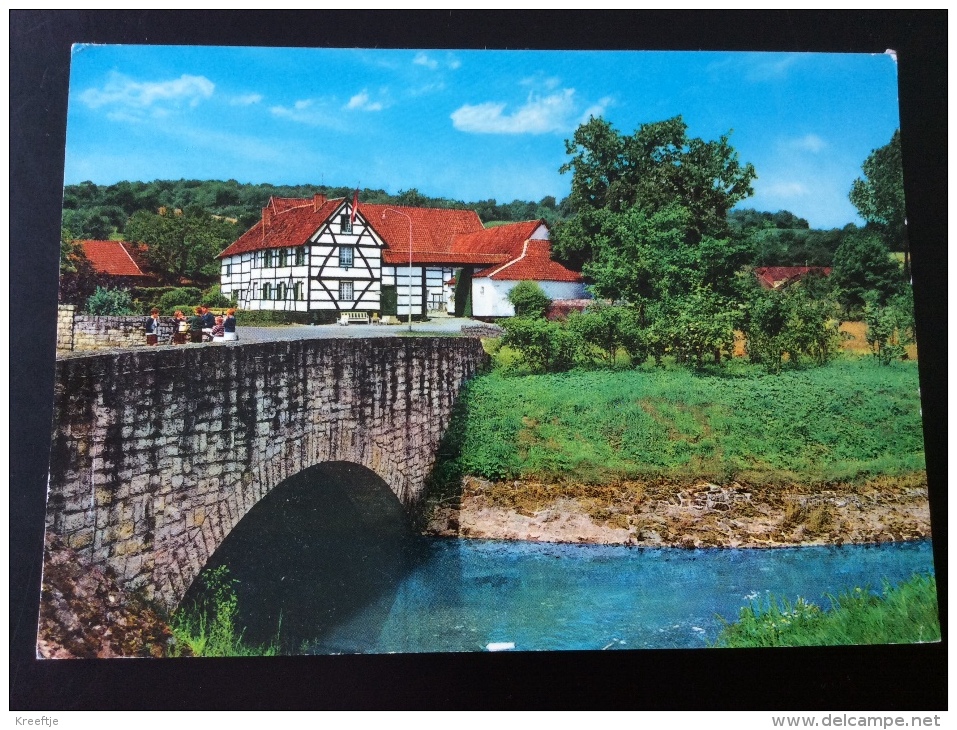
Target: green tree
x,y
528,299
181,246
879,195
863,267
657,167
890,328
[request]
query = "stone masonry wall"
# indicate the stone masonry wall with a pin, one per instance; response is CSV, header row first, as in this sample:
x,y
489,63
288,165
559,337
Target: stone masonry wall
x,y
158,453
64,327
87,332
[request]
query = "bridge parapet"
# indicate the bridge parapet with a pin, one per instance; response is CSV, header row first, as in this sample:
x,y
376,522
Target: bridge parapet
x,y
158,453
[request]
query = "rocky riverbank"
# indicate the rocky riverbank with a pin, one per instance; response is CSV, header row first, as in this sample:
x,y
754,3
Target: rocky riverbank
x,y
693,515
84,614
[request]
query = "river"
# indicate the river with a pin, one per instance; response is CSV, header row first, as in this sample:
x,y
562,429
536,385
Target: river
x,y
475,595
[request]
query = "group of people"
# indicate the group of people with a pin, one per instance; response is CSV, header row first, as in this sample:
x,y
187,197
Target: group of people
x,y
203,326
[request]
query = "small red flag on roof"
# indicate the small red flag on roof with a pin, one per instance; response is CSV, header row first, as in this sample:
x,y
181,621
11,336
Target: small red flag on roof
x,y
355,205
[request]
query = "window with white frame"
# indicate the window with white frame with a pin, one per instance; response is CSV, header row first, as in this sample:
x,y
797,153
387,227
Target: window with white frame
x,y
345,224
267,291
345,291
297,291
281,291
301,256
269,259
283,257
346,255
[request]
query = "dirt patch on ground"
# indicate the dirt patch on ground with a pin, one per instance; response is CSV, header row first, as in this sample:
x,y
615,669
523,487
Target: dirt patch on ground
x,y
85,614
691,515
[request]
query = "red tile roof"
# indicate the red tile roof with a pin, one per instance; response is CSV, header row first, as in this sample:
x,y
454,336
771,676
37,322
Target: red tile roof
x,y
439,235
286,222
534,264
112,258
774,277
433,232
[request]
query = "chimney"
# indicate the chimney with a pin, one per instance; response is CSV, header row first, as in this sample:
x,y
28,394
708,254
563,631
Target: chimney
x,y
318,200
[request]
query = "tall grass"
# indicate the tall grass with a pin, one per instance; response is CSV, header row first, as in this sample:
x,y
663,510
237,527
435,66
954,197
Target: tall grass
x,y
208,624
847,421
904,614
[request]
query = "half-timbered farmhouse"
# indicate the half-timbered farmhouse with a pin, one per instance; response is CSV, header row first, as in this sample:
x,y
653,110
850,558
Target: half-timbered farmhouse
x,y
337,256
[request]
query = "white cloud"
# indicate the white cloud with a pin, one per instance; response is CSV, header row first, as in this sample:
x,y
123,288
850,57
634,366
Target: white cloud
x,y
129,99
597,110
363,102
809,143
307,111
540,114
246,99
422,59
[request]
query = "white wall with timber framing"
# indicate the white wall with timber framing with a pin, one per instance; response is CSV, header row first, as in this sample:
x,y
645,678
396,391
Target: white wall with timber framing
x,y
275,279
345,265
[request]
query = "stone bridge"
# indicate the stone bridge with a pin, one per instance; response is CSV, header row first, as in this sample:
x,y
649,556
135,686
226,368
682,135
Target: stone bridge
x,y
159,452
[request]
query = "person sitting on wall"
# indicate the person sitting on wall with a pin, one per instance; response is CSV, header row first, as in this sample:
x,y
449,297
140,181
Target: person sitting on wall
x,y
209,320
180,328
229,325
196,326
218,331
152,327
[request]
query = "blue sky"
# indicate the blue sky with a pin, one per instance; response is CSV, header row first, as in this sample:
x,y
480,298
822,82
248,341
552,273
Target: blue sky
x,y
468,125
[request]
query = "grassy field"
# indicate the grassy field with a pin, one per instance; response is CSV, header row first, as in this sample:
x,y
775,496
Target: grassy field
x,y
905,614
848,421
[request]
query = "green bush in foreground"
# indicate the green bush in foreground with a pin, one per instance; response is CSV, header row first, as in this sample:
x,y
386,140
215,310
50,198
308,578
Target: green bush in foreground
x,y
208,625
905,614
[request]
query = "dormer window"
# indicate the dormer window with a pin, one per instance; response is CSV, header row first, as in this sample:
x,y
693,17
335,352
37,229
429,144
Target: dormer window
x,y
345,223
345,257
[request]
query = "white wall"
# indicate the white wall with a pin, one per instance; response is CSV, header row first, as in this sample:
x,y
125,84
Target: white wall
x,y
490,297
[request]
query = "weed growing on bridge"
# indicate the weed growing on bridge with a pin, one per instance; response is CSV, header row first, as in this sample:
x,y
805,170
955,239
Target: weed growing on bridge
x,y
905,614
208,624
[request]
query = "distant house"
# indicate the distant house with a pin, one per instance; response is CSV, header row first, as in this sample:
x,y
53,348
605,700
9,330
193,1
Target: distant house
x,y
117,264
779,277
334,256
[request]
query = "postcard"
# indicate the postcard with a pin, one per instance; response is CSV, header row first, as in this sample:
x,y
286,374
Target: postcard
x,y
369,351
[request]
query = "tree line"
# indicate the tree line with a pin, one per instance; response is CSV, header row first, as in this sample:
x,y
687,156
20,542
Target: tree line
x,y
651,232
97,212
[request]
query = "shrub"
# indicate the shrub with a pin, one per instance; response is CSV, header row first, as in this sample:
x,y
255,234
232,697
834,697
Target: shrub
x,y
528,299
214,297
889,328
106,301
793,323
544,346
266,318
606,329
178,298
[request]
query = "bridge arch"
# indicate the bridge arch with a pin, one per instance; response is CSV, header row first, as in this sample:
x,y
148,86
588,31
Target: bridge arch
x,y
321,546
158,453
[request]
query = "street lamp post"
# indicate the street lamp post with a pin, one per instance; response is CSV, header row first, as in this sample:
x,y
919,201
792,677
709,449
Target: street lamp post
x,y
408,218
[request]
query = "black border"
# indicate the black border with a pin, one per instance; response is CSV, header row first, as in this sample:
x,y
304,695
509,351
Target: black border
x,y
894,677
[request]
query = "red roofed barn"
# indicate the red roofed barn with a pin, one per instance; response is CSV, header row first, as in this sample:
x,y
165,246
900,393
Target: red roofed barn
x,y
778,277
320,255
